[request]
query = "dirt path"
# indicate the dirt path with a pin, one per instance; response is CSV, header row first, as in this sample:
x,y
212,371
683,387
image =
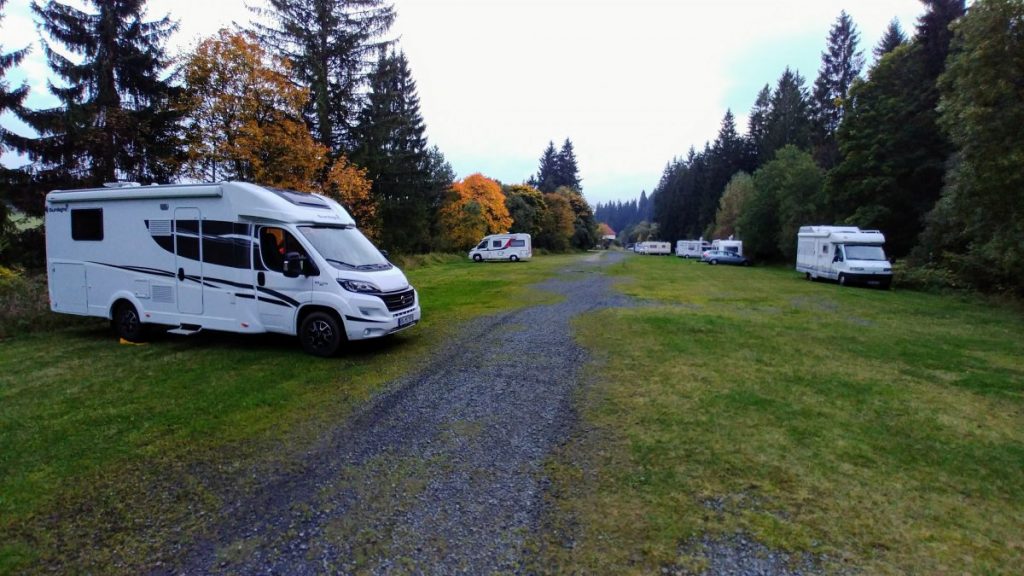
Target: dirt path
x,y
443,474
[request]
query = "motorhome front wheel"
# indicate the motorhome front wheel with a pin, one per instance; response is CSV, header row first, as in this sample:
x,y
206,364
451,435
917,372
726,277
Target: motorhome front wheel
x,y
321,334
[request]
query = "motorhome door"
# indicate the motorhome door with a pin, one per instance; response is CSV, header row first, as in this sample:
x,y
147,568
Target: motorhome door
x,y
278,296
188,259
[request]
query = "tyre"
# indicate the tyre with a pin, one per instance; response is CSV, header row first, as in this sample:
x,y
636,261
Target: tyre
x,y
842,280
513,258
746,263
321,334
127,324
807,276
713,262
478,258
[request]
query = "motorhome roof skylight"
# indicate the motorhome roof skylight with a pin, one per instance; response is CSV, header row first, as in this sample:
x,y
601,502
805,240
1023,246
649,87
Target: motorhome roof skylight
x,y
300,199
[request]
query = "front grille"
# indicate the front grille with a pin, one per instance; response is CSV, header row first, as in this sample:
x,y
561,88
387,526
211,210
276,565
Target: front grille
x,y
399,300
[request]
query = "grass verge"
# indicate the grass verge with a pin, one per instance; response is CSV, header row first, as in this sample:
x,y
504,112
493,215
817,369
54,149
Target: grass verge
x,y
877,430
113,456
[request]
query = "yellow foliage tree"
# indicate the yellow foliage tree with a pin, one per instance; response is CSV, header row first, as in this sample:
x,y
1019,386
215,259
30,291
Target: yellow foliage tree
x,y
244,118
473,208
348,184
558,224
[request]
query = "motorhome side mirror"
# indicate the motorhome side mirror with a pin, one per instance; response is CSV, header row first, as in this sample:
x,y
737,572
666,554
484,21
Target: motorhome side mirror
x,y
385,253
294,265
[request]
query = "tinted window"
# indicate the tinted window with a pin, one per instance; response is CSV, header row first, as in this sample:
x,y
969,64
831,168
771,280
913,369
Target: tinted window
x,y
495,243
87,224
519,243
275,243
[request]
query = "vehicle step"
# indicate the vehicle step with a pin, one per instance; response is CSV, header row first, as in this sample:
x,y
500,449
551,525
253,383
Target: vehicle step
x,y
185,329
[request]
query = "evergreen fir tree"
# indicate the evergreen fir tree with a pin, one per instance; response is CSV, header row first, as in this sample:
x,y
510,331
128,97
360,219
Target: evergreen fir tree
x,y
728,155
391,146
893,38
841,64
934,34
115,119
331,45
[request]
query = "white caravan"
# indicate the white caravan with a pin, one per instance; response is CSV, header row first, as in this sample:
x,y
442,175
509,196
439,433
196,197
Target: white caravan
x,y
512,247
730,245
654,248
691,248
846,254
232,256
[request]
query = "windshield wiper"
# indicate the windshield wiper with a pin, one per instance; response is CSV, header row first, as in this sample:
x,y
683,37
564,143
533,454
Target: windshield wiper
x,y
346,264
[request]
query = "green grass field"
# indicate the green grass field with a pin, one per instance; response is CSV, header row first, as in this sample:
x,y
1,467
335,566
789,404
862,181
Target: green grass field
x,y
879,430
105,448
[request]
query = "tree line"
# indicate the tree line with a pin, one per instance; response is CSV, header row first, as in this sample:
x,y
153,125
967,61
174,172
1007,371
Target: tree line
x,y
924,147
313,96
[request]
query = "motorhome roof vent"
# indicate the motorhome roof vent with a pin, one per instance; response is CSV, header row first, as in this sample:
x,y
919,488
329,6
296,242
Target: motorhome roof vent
x,y
121,184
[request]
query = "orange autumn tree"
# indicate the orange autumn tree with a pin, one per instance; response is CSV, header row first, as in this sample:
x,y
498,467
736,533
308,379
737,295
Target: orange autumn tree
x,y
348,184
473,208
244,119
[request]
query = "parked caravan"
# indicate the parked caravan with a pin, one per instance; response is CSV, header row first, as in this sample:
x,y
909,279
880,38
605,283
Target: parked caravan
x,y
511,247
846,254
653,248
691,248
730,245
232,256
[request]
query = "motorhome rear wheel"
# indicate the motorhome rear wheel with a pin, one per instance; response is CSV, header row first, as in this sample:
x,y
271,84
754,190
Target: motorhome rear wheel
x,y
127,324
513,258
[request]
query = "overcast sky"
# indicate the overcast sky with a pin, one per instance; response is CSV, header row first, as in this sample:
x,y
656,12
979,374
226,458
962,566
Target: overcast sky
x,y
632,83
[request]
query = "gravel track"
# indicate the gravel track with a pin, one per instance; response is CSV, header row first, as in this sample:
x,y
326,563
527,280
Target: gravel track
x,y
442,474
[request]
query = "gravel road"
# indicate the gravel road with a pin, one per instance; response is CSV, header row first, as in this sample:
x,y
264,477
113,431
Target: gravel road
x,y
440,475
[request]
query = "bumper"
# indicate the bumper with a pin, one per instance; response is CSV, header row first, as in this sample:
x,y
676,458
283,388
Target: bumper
x,y
362,328
869,279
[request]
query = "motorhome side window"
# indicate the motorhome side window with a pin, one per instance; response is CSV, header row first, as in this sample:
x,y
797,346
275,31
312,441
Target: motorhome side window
x,y
87,224
495,243
275,243
518,244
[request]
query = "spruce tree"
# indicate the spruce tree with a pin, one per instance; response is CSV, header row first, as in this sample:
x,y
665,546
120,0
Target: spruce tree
x,y
893,38
934,34
841,64
729,155
391,145
568,172
116,119
10,99
757,126
331,45
547,179
789,121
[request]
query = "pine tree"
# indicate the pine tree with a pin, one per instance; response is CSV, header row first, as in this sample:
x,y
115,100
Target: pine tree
x,y
841,64
391,145
934,33
331,45
729,155
893,38
115,119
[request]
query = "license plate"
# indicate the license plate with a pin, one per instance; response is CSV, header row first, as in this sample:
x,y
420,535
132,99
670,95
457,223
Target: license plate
x,y
406,320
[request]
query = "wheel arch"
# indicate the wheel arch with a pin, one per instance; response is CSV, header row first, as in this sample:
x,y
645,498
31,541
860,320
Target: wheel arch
x,y
308,309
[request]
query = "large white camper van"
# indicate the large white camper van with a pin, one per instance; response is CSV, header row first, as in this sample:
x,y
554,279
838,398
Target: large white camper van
x,y
846,254
654,248
512,247
233,256
730,245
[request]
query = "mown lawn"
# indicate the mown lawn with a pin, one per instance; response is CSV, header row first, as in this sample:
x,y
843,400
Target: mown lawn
x,y
877,430
109,452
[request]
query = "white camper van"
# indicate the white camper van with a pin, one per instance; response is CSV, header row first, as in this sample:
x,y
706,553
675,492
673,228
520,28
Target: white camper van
x,y
512,247
730,245
233,256
846,254
691,248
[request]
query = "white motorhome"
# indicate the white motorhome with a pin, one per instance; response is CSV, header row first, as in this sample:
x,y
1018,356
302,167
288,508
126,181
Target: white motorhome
x,y
846,254
691,248
233,256
730,245
653,248
511,247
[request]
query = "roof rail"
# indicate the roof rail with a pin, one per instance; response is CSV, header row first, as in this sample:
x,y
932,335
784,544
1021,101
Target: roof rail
x,y
121,184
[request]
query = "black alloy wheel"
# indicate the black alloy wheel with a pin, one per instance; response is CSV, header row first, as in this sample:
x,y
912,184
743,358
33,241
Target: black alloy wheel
x,y
321,334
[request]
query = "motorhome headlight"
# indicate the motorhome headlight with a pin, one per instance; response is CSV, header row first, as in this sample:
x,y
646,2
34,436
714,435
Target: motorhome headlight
x,y
360,286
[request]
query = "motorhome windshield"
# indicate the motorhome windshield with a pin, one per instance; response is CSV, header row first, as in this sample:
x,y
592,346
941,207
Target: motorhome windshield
x,y
855,252
345,248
